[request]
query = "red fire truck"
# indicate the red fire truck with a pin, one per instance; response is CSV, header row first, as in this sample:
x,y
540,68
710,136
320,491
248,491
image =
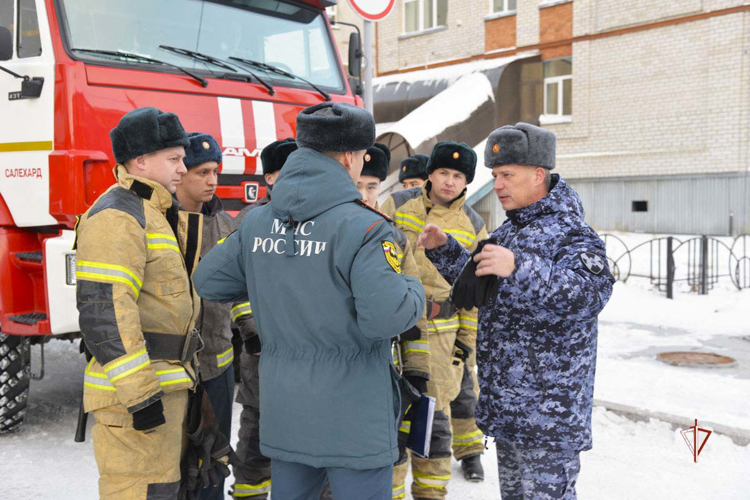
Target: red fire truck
x,y
238,69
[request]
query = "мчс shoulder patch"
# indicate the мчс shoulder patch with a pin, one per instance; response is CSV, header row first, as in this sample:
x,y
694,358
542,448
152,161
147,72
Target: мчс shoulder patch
x,y
391,255
593,262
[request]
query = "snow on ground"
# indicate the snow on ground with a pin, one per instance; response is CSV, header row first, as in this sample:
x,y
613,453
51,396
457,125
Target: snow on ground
x,y
630,460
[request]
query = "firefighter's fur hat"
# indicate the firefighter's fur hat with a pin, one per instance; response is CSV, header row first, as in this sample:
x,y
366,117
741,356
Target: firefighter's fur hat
x,y
454,155
275,154
377,159
413,167
146,130
335,127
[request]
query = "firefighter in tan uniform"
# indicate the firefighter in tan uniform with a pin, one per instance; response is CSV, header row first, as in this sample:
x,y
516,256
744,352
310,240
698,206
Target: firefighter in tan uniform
x,y
442,201
137,310
412,351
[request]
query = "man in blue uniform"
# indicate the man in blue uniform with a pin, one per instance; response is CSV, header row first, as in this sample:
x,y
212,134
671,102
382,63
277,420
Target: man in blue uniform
x,y
322,274
539,281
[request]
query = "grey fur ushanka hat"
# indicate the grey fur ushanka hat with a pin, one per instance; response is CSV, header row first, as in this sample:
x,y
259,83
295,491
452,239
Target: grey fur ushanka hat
x,y
335,127
520,144
146,130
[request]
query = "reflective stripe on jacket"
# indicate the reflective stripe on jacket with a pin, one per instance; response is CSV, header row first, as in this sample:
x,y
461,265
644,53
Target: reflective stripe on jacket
x,y
412,209
132,277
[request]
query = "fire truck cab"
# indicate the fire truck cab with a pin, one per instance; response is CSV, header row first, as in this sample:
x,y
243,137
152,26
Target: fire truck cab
x,y
240,70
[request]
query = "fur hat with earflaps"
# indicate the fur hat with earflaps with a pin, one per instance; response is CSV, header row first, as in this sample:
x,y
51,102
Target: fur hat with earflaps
x,y
453,155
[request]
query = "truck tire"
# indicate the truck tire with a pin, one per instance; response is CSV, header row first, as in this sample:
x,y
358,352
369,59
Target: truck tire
x,y
15,361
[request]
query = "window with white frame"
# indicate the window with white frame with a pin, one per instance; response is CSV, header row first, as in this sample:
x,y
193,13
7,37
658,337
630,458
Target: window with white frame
x,y
502,6
421,15
558,87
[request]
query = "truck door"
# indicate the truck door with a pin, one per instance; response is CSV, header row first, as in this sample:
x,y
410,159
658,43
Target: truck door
x,y
26,125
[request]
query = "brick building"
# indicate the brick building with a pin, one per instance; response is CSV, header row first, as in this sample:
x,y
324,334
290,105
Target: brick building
x,y
650,100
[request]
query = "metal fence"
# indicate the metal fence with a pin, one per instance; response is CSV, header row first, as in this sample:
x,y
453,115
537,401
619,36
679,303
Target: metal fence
x,y
699,262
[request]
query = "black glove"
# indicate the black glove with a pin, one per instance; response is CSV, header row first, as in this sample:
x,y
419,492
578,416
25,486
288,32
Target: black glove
x,y
470,290
252,345
149,417
209,454
413,333
419,383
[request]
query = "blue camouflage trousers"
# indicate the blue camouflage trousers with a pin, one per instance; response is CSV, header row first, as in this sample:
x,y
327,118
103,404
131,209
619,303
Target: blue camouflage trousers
x,y
536,473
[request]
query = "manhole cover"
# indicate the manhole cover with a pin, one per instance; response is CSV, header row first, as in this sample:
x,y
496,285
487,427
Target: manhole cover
x,y
696,359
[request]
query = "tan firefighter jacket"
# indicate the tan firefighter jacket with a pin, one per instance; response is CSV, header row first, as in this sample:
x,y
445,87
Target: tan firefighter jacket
x,y
137,306
412,209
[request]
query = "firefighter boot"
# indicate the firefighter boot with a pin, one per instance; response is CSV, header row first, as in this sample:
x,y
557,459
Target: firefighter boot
x,y
472,467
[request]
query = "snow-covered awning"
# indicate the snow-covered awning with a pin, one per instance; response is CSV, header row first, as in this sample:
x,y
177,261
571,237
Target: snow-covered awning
x,y
399,94
460,112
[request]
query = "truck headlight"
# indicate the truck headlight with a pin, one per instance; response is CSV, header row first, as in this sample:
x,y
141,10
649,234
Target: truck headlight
x,y
70,269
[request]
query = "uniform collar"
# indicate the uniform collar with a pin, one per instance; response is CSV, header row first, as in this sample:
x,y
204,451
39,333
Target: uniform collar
x,y
151,191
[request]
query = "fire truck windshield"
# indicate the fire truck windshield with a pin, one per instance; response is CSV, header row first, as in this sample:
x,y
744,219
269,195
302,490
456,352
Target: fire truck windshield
x,y
289,36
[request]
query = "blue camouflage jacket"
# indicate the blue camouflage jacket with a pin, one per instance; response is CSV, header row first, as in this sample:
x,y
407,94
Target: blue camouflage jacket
x,y
321,272
536,343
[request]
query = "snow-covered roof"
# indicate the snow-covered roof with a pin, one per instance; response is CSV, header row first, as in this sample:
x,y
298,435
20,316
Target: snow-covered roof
x,y
451,106
450,73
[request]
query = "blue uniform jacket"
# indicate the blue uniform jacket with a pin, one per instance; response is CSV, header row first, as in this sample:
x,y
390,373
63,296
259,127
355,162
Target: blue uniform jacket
x,y
327,296
536,343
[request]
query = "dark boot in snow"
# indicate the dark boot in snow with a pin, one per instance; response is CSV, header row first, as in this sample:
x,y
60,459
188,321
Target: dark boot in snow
x,y
472,467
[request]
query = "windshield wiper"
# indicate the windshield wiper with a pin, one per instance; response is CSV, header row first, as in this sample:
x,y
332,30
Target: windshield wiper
x,y
216,62
199,57
138,57
279,71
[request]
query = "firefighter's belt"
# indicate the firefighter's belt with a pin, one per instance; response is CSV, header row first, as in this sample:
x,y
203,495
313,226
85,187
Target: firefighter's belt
x,y
173,347
440,309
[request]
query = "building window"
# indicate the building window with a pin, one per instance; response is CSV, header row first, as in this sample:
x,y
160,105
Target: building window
x,y
332,12
421,15
558,88
640,206
29,41
502,6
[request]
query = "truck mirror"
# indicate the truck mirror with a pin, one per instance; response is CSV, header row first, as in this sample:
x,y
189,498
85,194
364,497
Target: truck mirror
x,y
355,55
32,88
356,86
6,44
